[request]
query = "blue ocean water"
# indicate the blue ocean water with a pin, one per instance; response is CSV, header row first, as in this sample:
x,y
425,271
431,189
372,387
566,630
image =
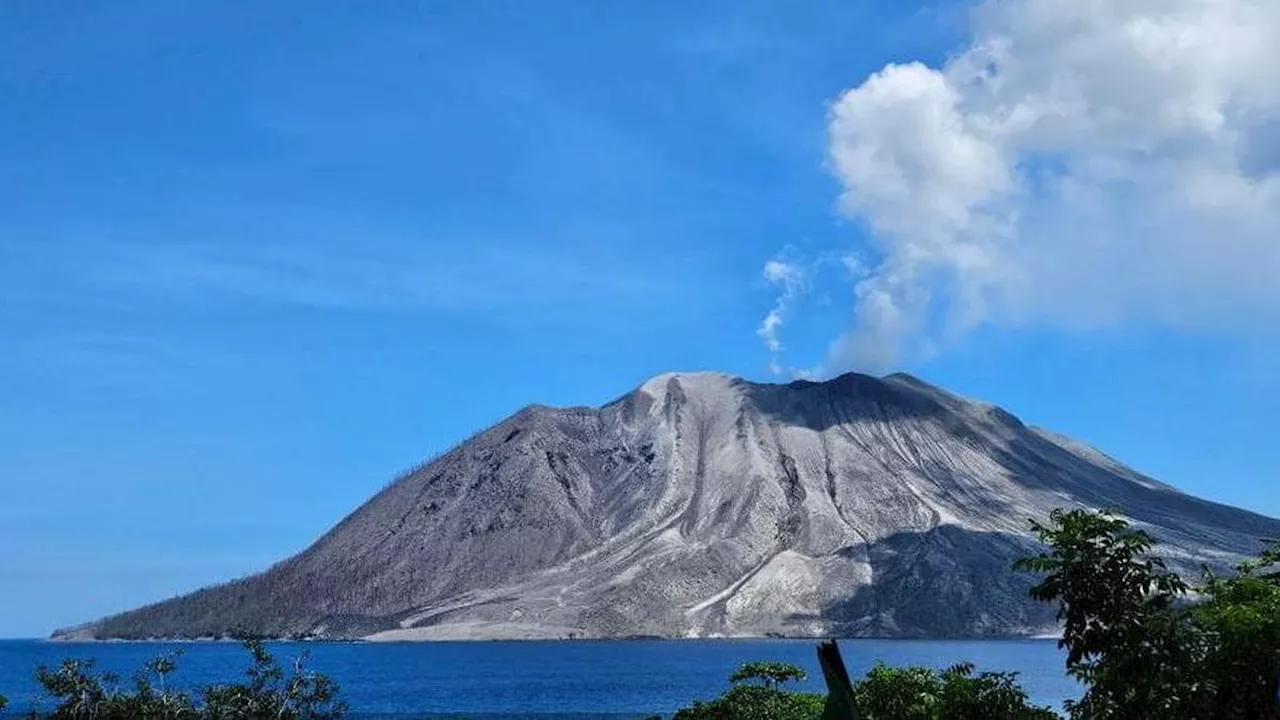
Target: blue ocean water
x,y
554,679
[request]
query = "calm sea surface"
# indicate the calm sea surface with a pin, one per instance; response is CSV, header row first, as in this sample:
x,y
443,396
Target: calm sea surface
x,y
510,680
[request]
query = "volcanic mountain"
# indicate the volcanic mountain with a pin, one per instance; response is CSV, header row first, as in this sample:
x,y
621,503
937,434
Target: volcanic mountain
x,y
705,505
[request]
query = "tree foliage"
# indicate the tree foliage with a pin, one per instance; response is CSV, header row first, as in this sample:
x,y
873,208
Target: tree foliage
x,y
913,693
269,692
770,674
1142,641
917,693
757,694
80,692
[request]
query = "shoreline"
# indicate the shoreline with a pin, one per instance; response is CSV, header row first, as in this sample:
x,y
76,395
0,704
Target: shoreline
x,y
1036,637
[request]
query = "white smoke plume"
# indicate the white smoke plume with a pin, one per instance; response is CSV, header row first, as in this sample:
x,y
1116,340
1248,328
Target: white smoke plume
x,y
791,279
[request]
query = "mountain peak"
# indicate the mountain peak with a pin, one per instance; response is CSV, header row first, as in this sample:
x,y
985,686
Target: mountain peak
x,y
721,379
697,376
701,504
906,378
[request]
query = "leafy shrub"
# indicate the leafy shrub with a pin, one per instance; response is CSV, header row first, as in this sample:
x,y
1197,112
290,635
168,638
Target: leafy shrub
x,y
917,693
268,692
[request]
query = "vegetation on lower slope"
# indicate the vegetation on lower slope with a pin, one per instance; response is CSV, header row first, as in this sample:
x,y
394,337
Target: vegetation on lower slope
x,y
1141,641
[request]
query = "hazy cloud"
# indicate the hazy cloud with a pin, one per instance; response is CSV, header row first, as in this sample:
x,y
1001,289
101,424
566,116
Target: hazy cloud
x,y
352,277
1081,163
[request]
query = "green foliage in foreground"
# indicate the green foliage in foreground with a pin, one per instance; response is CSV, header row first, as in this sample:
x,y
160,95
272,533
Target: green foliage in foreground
x,y
913,693
770,674
756,702
954,694
757,694
267,691
1134,636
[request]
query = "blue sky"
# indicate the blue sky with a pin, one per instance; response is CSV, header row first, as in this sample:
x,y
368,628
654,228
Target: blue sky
x,y
257,258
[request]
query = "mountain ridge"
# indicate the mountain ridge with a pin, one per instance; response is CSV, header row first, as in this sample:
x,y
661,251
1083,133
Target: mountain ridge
x,y
701,504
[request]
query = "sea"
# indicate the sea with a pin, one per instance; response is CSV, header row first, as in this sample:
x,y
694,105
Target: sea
x,y
534,680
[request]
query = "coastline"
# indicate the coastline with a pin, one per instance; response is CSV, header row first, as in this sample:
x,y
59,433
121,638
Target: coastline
x,y
395,637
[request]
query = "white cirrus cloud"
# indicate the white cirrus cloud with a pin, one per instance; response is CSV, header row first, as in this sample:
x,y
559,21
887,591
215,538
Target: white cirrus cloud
x,y
1081,164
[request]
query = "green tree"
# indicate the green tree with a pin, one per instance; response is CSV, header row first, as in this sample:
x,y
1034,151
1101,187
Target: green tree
x,y
1240,627
757,694
1143,646
82,693
770,674
1116,603
966,696
269,692
898,693
918,693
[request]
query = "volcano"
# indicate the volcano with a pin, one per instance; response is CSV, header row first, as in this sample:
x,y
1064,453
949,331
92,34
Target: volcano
x,y
704,505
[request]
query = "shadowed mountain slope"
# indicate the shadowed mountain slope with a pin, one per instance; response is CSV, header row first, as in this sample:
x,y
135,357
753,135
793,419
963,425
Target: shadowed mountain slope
x,y
701,504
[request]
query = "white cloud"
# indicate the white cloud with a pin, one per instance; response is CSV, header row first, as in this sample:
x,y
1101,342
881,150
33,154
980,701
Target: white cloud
x,y
1081,163
791,279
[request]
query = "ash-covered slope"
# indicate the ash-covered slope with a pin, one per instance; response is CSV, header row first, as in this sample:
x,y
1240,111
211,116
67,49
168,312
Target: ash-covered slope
x,y
702,504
